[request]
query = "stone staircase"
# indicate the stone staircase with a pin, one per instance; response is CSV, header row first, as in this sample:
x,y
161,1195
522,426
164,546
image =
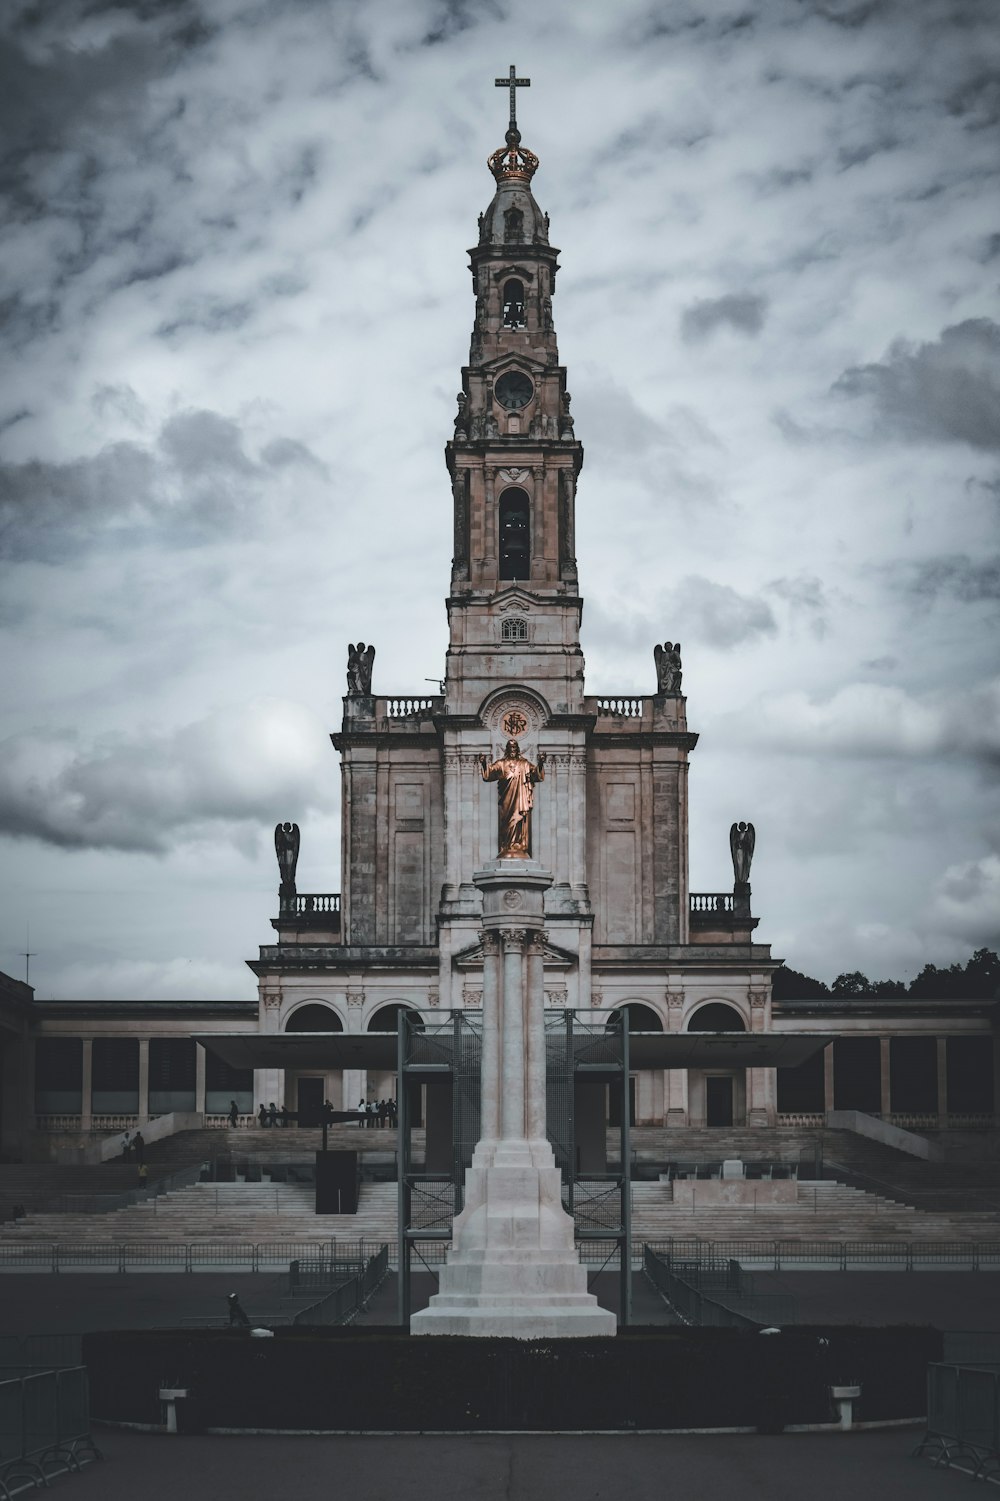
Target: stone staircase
x,y
253,1213
249,1213
824,1211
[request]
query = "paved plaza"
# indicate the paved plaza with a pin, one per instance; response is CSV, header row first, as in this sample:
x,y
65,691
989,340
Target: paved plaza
x,y
874,1466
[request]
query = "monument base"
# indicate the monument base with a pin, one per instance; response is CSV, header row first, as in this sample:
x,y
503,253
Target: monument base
x,y
513,1269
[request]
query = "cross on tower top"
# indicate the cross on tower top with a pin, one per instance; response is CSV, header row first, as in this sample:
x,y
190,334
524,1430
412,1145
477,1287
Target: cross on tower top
x,y
513,83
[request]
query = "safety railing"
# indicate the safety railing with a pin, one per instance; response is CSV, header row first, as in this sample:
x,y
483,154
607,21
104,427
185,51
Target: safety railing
x,y
715,1293
222,1255
46,1352
44,1428
963,1418
343,1303
193,1256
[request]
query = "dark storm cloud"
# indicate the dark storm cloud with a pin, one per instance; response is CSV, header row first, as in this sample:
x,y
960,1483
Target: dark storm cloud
x,y
148,794
719,616
960,577
948,389
194,481
744,311
53,92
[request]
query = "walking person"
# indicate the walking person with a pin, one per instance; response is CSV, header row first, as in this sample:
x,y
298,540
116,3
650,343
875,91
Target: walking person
x,y
361,1107
234,1114
126,1146
138,1148
272,1114
237,1316
262,1119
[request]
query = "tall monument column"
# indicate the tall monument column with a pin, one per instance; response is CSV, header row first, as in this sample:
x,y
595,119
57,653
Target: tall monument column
x,y
513,1267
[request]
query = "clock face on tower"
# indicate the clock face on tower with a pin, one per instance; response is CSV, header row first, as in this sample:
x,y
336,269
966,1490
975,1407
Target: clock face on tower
x,y
513,390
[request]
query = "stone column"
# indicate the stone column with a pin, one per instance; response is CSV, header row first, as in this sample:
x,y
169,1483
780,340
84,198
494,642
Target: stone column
x,y
513,1046
87,1085
535,1092
885,1079
756,1086
942,1082
513,1267
199,1080
489,1085
143,1081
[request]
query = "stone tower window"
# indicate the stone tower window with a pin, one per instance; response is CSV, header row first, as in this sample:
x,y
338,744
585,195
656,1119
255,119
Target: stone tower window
x,y
513,226
513,303
515,544
514,629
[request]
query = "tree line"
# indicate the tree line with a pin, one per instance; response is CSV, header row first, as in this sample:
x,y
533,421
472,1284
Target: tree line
x,y
979,979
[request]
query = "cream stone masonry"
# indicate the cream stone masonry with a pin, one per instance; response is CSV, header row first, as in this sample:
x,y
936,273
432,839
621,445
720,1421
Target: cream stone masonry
x,y
418,822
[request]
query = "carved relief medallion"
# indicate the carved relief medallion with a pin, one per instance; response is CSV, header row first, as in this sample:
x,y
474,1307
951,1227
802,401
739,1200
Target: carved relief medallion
x,y
513,900
514,724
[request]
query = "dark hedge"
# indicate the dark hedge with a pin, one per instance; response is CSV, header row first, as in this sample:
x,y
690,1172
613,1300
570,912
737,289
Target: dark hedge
x,y
382,1379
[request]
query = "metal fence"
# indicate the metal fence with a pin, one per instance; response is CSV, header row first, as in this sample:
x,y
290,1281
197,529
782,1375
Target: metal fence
x,y
344,1302
716,1293
44,1427
234,1255
195,1256
47,1352
963,1418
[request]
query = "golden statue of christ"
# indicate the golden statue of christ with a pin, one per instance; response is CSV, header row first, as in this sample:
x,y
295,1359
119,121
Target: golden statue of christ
x,y
516,777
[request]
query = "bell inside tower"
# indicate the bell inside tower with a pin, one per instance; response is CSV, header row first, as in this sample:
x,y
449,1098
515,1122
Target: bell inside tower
x,y
515,547
513,304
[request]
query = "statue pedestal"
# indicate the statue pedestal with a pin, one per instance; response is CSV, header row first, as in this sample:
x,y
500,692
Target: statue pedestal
x,y
513,1268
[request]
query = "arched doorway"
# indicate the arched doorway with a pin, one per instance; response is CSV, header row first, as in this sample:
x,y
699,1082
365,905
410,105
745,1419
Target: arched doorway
x,y
645,1089
385,1084
717,1095
306,1090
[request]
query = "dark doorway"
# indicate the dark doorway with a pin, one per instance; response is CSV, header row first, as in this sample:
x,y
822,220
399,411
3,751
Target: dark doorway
x,y
718,1101
615,1103
310,1101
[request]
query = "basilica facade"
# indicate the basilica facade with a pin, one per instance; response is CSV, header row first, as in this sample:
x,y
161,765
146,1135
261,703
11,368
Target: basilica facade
x,y
611,818
622,930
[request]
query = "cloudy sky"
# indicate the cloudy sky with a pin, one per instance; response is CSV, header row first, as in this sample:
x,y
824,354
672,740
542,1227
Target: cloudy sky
x,y
236,301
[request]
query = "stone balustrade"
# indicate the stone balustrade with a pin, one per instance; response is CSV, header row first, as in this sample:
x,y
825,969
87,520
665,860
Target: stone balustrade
x,y
312,904
711,901
620,707
410,708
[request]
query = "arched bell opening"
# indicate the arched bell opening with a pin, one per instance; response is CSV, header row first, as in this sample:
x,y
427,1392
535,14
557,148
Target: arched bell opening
x,y
515,535
513,303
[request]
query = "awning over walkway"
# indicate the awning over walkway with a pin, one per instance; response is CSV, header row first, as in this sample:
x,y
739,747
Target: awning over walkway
x,y
377,1050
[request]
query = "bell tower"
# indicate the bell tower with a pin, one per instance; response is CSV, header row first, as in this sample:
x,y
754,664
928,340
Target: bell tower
x,y
514,606
514,664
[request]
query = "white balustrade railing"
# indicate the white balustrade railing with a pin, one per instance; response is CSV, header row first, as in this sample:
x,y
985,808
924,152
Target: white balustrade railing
x,y
306,904
620,708
409,708
711,901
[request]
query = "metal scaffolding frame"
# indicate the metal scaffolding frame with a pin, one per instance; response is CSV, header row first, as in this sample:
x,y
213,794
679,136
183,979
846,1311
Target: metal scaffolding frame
x,y
448,1052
